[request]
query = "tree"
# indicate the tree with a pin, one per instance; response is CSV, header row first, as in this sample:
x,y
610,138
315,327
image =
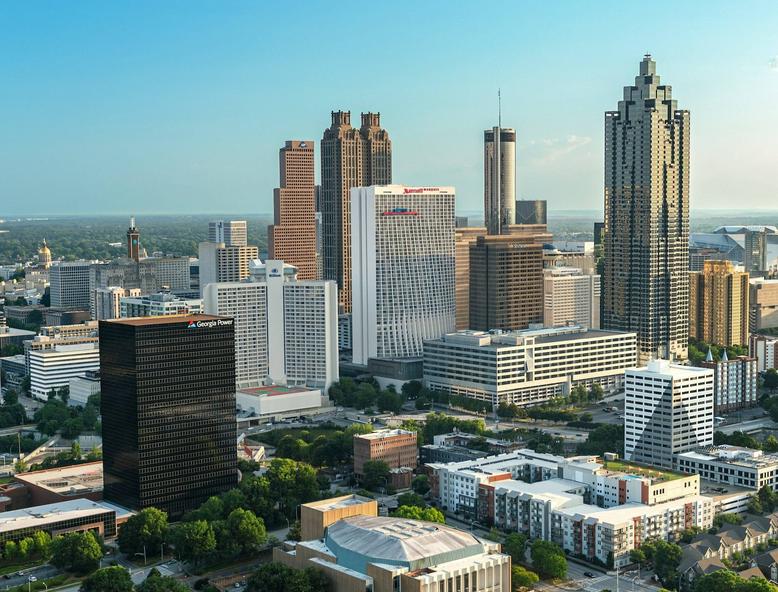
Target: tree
x,y
156,582
294,533
246,530
548,559
666,558
411,499
604,438
294,483
723,580
148,528
193,541
375,474
277,577
771,379
77,552
108,579
41,542
596,393
521,577
515,545
411,389
727,518
417,513
637,556
421,484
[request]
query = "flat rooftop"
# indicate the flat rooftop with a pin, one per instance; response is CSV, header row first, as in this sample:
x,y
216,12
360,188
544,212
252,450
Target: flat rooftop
x,y
41,516
337,503
164,320
72,480
630,468
274,390
380,434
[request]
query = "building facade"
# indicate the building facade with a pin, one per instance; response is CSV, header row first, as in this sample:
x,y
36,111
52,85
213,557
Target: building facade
x,y
765,349
732,465
168,410
570,296
54,367
133,241
69,284
668,409
734,382
349,158
499,179
286,329
531,211
645,283
397,448
403,263
220,262
506,283
233,233
107,301
292,236
762,304
527,367
464,236
718,304
157,305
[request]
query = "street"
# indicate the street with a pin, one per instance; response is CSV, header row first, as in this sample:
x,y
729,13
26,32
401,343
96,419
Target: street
x,y
627,582
41,573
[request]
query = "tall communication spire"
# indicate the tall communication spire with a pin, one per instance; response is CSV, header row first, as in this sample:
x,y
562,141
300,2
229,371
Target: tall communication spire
x,y
499,175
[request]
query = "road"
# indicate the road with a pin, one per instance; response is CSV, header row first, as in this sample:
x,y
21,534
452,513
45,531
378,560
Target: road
x,y
753,425
601,581
41,573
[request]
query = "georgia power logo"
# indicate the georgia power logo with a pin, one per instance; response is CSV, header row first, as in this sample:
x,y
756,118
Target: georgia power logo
x,y
209,323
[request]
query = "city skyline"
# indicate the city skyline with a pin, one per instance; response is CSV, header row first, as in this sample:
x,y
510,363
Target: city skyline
x,y
173,109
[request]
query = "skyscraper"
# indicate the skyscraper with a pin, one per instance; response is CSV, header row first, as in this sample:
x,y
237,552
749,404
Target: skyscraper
x,y
755,247
531,211
168,410
718,304
69,284
292,236
349,158
646,286
403,255
233,233
133,241
506,282
499,179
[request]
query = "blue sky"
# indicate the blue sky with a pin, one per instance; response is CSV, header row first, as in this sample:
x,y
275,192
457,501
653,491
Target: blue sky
x,y
158,107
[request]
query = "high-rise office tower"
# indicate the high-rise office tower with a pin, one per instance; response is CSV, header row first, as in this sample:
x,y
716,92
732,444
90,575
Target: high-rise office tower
x,y
168,410
403,256
464,236
69,284
108,301
349,158
292,236
531,211
506,282
668,409
499,179
718,304
755,247
133,241
571,296
233,233
285,329
645,284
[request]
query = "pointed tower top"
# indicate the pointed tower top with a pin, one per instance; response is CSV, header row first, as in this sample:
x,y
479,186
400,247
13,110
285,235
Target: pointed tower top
x,y
724,357
709,357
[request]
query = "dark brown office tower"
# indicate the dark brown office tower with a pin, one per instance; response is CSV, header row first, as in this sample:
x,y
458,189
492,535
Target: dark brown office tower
x,y
506,282
292,237
168,410
133,241
349,158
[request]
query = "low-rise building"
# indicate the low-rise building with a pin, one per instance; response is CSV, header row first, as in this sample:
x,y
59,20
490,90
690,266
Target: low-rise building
x,y
52,486
83,387
734,382
397,448
733,465
527,367
158,305
315,517
270,403
53,368
14,370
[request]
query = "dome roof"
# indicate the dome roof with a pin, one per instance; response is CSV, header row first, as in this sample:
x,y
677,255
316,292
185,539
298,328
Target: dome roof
x,y
398,540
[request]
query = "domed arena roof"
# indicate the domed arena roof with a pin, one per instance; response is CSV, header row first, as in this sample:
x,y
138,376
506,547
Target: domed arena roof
x,y
361,540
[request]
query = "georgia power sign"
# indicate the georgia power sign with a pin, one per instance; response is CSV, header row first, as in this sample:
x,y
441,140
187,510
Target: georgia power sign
x,y
207,324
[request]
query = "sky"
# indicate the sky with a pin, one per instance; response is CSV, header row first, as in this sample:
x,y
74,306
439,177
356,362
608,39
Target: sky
x,y
181,106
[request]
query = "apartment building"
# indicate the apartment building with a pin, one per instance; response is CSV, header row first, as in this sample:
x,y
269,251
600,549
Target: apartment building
x,y
765,349
734,382
158,305
53,368
732,465
570,297
763,304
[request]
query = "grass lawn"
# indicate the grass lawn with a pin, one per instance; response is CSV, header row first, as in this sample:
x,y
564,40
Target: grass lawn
x,y
14,567
642,470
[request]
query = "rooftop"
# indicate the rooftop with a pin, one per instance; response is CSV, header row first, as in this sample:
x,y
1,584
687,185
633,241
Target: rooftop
x,y
656,475
336,503
273,390
40,516
733,455
380,434
165,320
72,480
667,368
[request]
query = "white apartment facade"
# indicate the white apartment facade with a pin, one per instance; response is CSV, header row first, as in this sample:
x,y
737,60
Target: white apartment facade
x,y
668,409
69,284
224,263
402,255
286,331
158,305
107,301
527,367
765,349
53,368
233,233
732,465
570,296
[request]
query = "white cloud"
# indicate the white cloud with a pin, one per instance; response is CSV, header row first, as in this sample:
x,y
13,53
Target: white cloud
x,y
548,150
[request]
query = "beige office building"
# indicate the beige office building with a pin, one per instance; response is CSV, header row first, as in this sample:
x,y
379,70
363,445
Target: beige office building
x,y
506,282
763,304
463,238
646,284
718,304
350,157
292,236
570,296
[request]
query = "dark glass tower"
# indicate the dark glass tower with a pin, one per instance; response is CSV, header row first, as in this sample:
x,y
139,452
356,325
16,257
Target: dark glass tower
x,y
168,410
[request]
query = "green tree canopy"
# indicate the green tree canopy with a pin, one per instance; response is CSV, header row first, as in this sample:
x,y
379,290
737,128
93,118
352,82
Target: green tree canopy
x,y
146,528
77,552
521,577
548,559
193,541
108,579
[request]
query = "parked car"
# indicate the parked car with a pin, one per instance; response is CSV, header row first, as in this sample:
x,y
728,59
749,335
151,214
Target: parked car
x,y
588,574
